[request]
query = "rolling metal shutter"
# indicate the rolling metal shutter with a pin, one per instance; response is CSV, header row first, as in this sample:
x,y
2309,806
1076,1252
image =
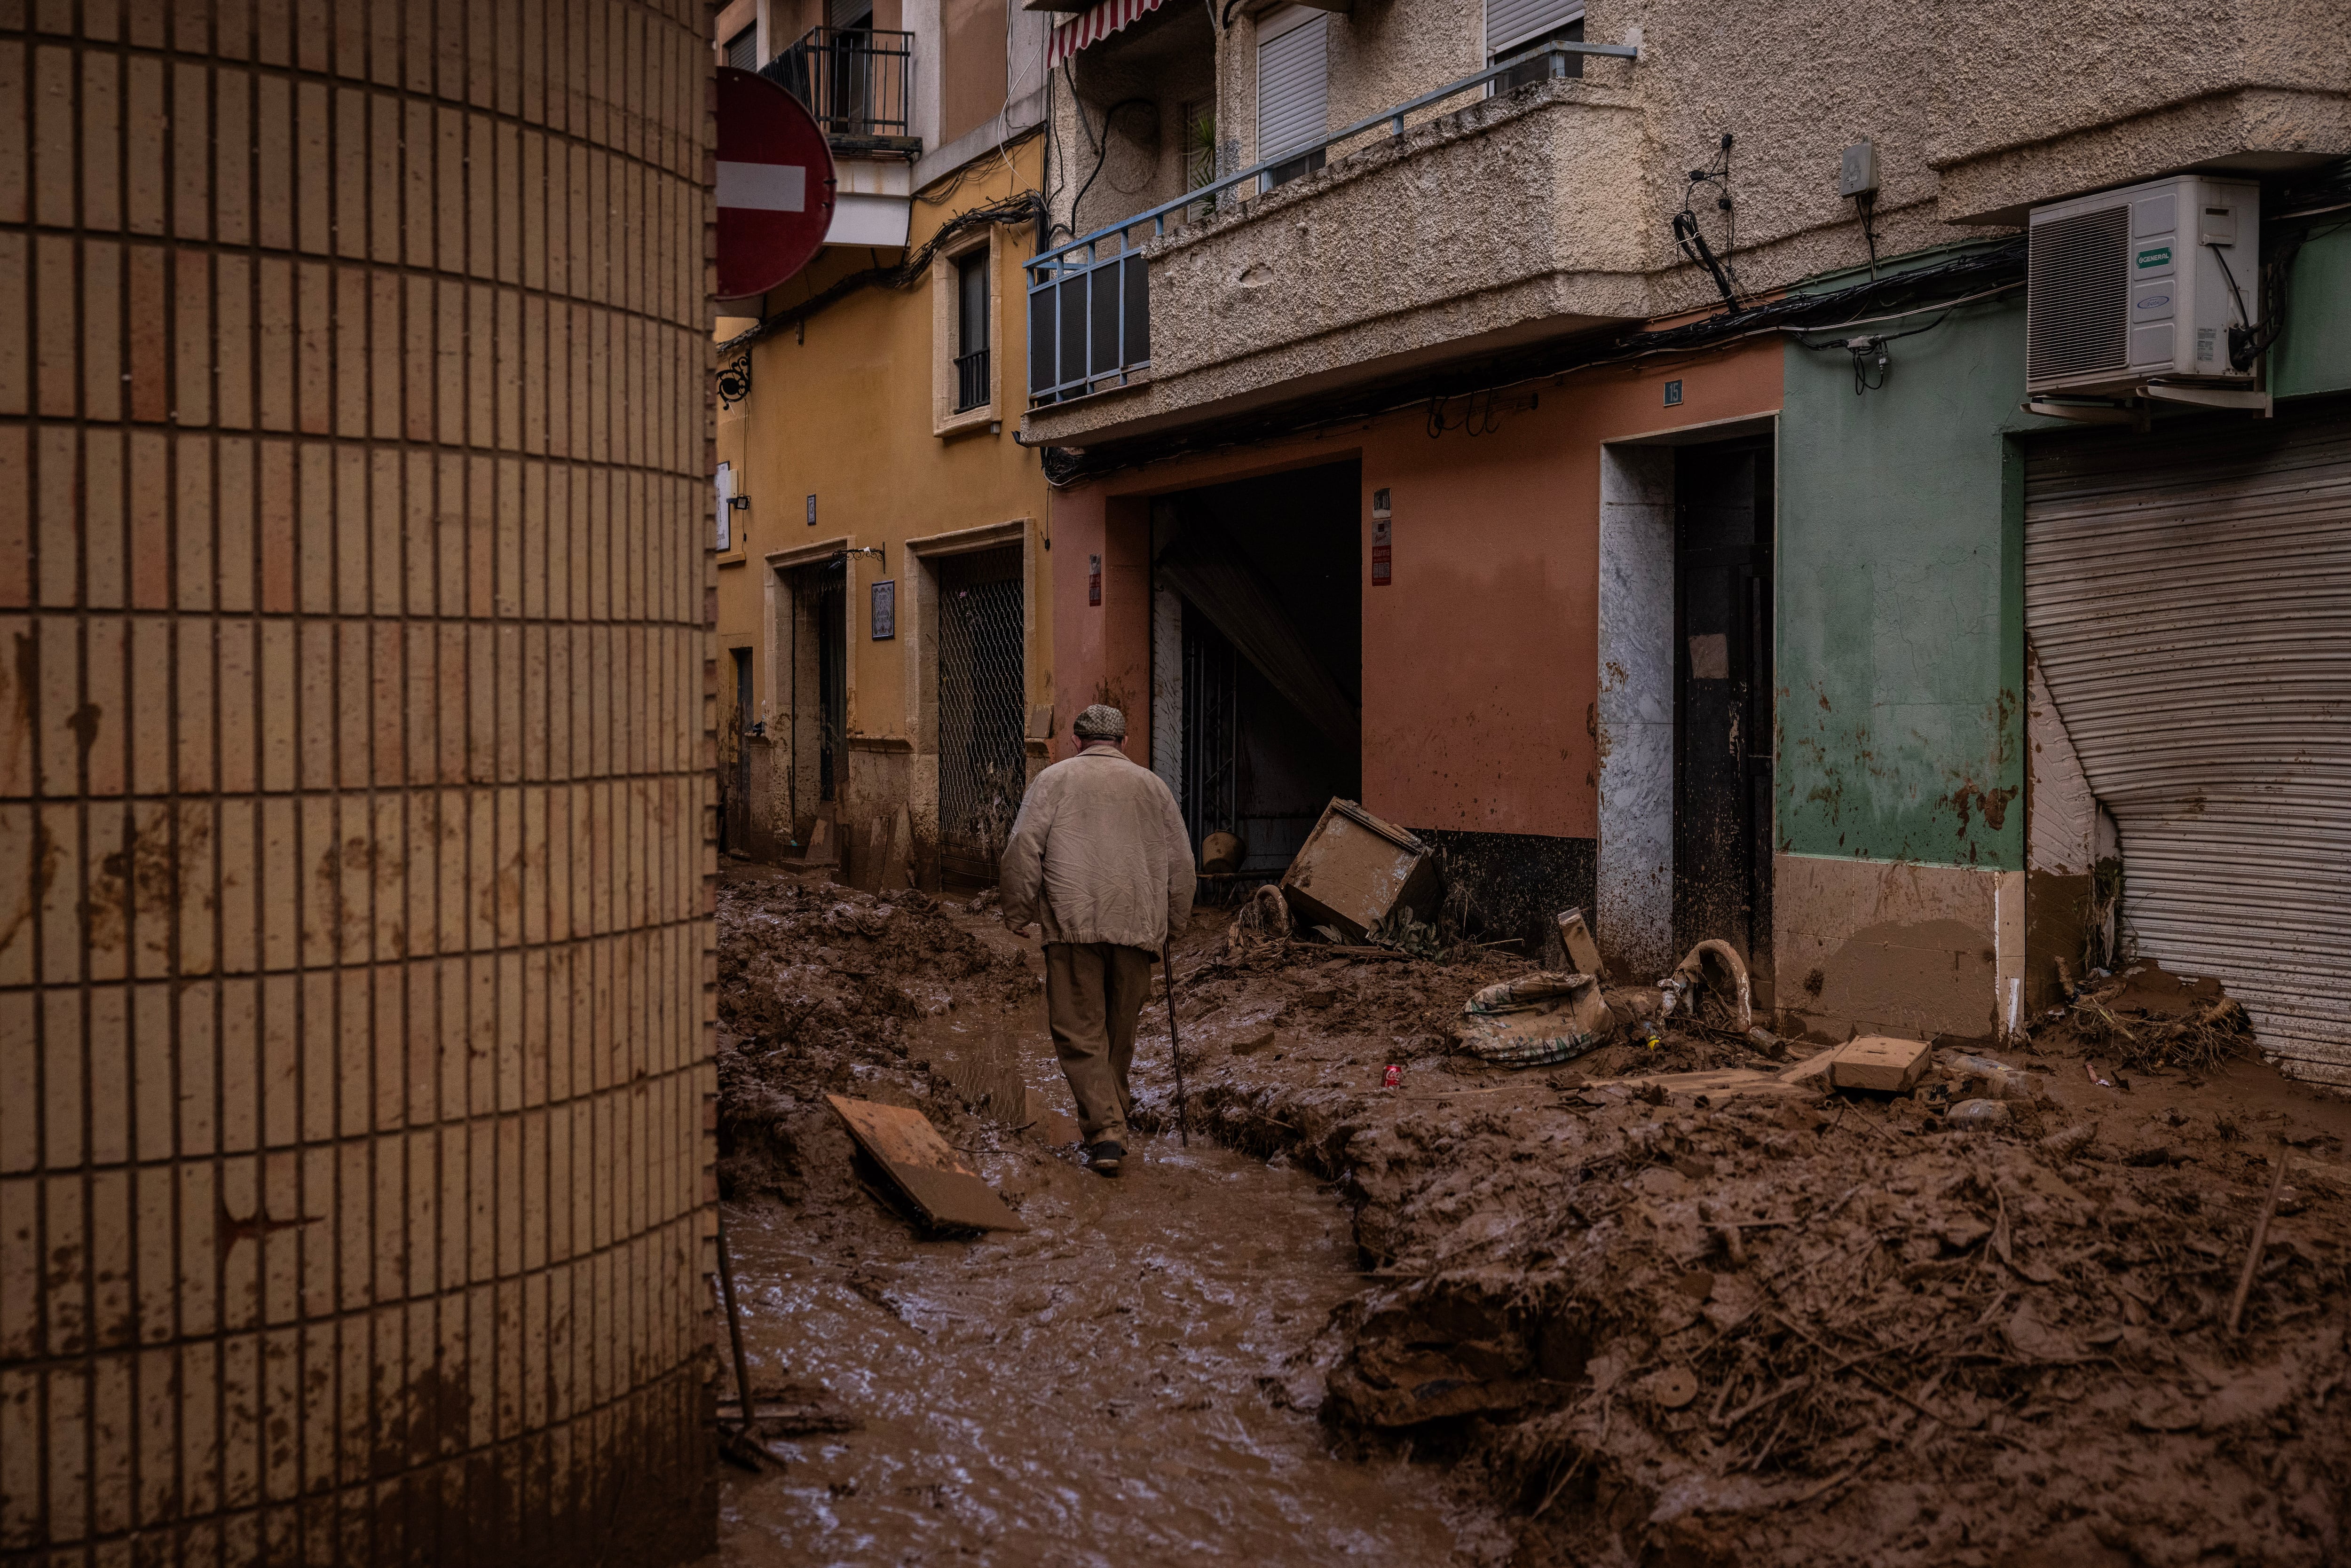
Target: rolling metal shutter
x,y
1510,21
2189,600
1292,78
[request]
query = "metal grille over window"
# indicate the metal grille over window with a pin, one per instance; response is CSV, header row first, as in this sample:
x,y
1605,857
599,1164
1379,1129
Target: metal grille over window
x,y
743,49
983,764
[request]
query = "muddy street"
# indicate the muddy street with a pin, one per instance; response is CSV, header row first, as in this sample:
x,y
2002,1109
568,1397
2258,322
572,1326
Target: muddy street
x,y
1134,1379
1559,1315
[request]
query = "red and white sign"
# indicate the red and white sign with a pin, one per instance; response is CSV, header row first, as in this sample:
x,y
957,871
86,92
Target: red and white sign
x,y
774,184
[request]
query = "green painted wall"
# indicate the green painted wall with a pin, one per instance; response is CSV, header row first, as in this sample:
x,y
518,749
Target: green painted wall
x,y
1901,592
2313,355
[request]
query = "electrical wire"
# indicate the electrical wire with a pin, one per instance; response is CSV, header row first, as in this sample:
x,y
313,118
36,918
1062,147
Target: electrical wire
x,y
1927,287
1019,208
1101,149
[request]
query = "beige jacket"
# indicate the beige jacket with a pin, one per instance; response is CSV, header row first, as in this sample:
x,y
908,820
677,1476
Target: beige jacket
x,y
1099,853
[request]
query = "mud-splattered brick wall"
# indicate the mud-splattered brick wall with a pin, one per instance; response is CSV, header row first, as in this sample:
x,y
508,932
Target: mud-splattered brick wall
x,y
354,782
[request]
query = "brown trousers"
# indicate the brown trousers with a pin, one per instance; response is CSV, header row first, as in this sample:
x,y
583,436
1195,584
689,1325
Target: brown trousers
x,y
1093,992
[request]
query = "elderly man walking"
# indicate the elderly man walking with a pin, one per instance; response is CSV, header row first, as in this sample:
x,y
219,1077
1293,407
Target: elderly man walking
x,y
1100,857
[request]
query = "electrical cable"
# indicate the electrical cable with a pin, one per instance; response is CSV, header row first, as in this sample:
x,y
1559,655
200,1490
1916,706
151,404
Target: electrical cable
x,y
1018,208
1103,147
1867,203
1900,295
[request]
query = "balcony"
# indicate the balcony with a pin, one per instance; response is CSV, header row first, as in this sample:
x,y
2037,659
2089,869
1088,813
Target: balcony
x,y
1450,226
856,81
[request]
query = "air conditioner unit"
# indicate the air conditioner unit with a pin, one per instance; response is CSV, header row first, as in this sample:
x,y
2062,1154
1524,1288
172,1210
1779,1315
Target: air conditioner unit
x,y
2129,291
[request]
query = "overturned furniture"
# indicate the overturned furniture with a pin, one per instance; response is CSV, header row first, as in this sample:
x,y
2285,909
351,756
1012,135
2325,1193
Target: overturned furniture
x,y
1537,1019
1354,871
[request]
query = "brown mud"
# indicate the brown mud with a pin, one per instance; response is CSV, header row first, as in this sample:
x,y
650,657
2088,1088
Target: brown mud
x,y
1831,1331
1134,1380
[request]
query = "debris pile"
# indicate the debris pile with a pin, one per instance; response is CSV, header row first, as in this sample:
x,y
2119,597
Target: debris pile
x,y
1674,1318
2147,1018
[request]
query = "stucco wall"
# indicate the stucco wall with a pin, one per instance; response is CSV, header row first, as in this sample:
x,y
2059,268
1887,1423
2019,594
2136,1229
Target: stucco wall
x,y
1902,696
1974,114
354,1186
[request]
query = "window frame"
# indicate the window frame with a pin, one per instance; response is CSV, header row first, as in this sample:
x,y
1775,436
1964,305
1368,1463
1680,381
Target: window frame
x,y
948,274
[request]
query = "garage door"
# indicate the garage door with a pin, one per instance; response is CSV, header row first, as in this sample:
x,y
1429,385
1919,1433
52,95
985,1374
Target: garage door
x,y
2189,597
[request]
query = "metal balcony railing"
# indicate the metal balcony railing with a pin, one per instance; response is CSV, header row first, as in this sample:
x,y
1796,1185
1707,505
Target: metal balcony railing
x,y
1089,300
971,379
854,80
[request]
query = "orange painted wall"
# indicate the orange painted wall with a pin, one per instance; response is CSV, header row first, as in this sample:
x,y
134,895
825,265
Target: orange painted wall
x,y
1481,660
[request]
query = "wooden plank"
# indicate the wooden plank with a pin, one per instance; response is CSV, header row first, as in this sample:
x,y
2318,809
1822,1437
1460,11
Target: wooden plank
x,y
905,1144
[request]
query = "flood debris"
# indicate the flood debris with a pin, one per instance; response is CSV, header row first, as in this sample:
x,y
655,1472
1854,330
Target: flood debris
x,y
1536,1021
949,1192
1354,871
1910,1337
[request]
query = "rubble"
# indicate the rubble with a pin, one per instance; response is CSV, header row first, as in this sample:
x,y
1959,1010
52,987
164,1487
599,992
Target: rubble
x,y
1903,1339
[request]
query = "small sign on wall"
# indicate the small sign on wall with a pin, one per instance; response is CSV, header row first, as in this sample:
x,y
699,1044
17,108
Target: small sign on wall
x,y
1093,580
725,507
1382,555
885,610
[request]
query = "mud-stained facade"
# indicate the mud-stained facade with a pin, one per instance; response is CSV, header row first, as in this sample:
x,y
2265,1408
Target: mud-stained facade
x,y
895,548
354,1074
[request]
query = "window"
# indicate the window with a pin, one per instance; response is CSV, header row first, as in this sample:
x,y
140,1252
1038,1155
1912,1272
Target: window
x,y
743,49
1514,27
971,330
1294,53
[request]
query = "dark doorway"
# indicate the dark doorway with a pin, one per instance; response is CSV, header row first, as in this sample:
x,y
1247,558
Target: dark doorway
x,y
1258,584
735,827
1722,697
829,591
983,764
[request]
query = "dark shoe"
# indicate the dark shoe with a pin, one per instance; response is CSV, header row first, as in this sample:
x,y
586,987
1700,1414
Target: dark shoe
x,y
1104,1158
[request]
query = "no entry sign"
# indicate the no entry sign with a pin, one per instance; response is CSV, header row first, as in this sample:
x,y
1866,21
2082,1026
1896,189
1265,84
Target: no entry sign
x,y
774,184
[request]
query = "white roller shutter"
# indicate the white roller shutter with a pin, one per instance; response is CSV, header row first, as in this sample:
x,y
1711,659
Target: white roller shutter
x,y
1510,21
2189,600
1293,57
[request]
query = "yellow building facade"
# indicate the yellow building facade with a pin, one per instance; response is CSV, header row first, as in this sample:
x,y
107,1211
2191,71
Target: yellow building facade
x,y
884,556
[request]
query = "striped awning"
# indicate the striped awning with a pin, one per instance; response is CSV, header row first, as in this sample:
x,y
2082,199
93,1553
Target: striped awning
x,y
1092,26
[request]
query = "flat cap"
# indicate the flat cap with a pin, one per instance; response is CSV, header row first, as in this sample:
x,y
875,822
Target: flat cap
x,y
1100,722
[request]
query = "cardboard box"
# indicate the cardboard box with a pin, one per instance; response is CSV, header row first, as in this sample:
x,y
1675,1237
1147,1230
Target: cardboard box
x,y
1355,870
1880,1063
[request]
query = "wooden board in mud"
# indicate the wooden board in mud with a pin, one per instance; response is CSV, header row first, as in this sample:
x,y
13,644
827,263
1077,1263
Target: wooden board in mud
x,y
904,1144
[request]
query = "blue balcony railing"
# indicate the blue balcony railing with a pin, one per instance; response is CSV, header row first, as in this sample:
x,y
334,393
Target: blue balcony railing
x,y
1090,301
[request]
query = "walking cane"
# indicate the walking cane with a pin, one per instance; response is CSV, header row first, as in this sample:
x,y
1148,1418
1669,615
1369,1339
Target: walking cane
x,y
1175,1047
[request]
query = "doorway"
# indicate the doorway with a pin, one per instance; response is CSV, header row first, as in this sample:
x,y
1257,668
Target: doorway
x,y
1257,709
1723,526
983,762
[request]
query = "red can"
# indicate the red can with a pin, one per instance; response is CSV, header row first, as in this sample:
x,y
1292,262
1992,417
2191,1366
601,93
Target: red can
x,y
1393,1076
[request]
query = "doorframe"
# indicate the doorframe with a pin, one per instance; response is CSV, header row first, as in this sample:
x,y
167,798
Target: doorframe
x,y
1635,710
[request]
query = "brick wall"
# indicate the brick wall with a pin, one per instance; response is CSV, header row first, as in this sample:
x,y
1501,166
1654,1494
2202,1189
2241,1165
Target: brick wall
x,y
354,792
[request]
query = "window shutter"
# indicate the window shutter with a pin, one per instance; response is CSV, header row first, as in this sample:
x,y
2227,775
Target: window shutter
x,y
1292,79
1510,21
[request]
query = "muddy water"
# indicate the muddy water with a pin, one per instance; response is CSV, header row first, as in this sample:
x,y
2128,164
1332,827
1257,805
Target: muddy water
x,y
1119,1386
